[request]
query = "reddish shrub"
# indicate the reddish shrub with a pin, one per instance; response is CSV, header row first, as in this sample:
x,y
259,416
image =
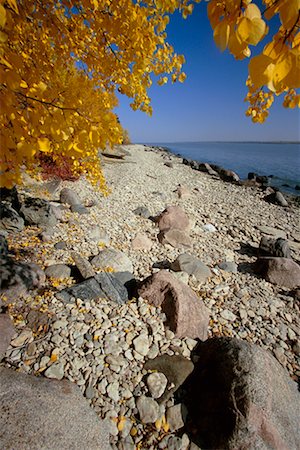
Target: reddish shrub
x,y
61,169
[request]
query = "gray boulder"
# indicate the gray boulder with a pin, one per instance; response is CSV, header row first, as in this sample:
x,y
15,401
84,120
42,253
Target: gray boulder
x,y
191,265
17,278
37,413
240,397
37,211
58,271
176,368
274,247
10,221
83,265
103,285
277,198
115,259
69,197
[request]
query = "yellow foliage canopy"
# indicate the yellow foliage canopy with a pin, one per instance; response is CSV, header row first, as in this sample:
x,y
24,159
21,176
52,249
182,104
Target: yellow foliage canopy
x,y
61,64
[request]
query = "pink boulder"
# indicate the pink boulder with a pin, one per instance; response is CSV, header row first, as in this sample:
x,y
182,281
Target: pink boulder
x,y
280,271
186,315
176,238
173,217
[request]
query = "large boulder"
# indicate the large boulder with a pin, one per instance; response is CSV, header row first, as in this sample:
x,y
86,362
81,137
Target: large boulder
x,y
239,397
191,265
7,331
277,198
281,271
10,221
17,278
274,247
113,259
37,413
225,174
175,238
103,285
186,314
173,217
37,211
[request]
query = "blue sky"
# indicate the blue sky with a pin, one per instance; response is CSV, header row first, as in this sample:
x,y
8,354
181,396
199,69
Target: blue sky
x,y
209,105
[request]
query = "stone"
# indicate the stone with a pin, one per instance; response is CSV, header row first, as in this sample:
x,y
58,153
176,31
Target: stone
x,y
39,413
24,337
173,217
192,265
113,391
80,209
141,344
239,396
37,211
16,278
142,211
228,315
7,331
83,265
209,228
10,197
175,238
157,383
58,271
280,271
103,285
69,197
115,259
97,235
128,280
183,192
55,371
225,174
61,245
186,315
148,409
205,167
10,220
274,247
277,198
175,367
229,266
141,242
175,417
271,231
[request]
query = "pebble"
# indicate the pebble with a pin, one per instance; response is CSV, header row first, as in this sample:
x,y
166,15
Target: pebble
x,y
55,371
157,383
148,409
141,344
228,315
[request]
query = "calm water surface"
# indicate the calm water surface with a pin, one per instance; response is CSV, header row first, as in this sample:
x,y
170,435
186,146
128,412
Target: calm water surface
x,y
282,160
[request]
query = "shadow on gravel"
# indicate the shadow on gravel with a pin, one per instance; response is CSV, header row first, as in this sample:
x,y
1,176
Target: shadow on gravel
x,y
247,249
247,268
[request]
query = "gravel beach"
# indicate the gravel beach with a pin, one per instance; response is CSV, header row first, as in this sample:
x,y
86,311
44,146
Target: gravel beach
x,y
102,346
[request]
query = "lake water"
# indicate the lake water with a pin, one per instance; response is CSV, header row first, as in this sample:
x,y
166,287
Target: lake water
x,y
282,160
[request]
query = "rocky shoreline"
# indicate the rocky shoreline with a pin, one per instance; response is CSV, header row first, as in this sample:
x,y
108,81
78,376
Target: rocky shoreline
x,y
166,237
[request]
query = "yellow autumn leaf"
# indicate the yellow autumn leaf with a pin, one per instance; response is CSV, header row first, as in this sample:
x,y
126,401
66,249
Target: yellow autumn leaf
x,y
182,77
252,11
44,145
23,84
25,150
3,37
121,423
261,69
251,31
187,10
2,16
289,13
221,35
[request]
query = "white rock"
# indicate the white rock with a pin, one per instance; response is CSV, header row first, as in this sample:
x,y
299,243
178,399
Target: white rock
x,y
113,391
228,315
149,410
141,344
157,383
